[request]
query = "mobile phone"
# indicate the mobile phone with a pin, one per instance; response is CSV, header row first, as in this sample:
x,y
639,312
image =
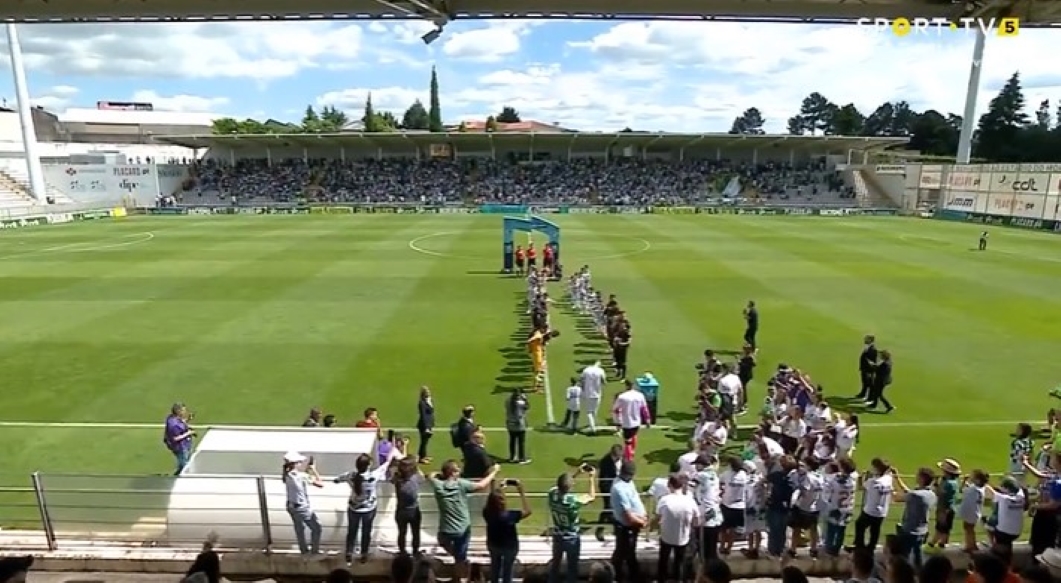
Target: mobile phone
x,y
310,460
511,483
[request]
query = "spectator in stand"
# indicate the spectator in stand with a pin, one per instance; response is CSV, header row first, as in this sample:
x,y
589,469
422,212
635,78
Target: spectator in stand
x,y
502,540
454,517
630,517
370,419
616,182
407,480
565,509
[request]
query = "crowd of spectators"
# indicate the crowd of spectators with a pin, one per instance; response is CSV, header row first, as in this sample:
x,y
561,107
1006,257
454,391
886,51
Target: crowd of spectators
x,y
625,181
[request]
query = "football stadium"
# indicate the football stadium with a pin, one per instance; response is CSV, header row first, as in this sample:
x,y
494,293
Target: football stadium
x,y
193,319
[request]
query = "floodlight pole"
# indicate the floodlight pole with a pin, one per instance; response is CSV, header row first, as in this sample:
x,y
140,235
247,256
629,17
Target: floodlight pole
x,y
25,117
965,139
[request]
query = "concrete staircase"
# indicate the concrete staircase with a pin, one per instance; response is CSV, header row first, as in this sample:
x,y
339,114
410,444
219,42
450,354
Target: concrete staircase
x,y
867,195
13,194
15,170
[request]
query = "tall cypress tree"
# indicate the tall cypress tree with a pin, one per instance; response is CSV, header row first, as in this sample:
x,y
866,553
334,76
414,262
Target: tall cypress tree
x,y
435,111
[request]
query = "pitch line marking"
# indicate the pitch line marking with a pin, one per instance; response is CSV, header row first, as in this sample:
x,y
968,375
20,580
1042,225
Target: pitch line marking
x,y
87,246
414,244
107,425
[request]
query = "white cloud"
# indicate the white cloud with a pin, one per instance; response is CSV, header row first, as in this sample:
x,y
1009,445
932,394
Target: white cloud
x,y
646,75
392,99
182,103
56,97
261,51
490,44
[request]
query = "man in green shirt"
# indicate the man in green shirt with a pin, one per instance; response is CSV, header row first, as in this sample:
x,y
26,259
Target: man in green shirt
x,y
565,507
454,519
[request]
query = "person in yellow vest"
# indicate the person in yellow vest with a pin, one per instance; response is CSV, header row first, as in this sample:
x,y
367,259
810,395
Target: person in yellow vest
x,y
536,348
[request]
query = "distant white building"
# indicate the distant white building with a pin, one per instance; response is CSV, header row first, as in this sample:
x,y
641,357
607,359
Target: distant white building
x,y
128,129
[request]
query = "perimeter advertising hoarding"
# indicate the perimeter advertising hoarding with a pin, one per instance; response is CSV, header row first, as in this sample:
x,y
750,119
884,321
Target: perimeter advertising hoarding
x,y
92,182
1025,191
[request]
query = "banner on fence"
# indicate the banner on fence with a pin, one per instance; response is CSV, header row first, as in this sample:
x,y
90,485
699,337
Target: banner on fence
x,y
144,183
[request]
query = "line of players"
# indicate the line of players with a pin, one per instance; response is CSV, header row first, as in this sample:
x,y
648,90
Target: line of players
x,y
608,318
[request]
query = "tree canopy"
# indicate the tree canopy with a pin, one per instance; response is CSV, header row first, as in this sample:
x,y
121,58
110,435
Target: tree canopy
x,y
1005,132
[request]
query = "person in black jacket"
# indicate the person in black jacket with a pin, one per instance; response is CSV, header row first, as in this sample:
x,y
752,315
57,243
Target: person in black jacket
x,y
882,377
867,365
425,423
461,432
477,461
607,472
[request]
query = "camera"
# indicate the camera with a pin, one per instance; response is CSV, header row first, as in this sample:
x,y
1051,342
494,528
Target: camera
x,y
511,483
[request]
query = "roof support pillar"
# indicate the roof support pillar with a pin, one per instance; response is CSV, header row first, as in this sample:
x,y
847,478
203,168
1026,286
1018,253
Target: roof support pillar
x,y
965,138
25,118
269,156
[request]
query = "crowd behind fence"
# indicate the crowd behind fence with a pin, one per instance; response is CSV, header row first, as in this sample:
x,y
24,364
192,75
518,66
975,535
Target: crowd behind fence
x,y
53,510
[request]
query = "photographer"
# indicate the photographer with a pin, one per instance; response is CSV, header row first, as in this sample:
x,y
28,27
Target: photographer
x,y
297,473
502,540
178,435
565,508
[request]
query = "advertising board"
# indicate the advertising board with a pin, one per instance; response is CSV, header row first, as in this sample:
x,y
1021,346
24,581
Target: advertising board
x,y
931,177
96,182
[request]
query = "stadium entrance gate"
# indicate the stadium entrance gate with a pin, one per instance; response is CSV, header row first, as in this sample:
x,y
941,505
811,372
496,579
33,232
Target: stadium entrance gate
x,y
527,225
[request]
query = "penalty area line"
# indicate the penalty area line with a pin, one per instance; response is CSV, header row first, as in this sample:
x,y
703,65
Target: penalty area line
x,y
118,425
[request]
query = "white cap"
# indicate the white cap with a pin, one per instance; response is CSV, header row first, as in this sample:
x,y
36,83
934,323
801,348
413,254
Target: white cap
x,y
293,457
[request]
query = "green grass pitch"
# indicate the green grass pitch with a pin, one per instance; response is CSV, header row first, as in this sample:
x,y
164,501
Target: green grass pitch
x,y
256,319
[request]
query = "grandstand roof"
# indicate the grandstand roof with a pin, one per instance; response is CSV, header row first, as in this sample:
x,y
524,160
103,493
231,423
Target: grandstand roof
x,y
1032,12
147,118
581,140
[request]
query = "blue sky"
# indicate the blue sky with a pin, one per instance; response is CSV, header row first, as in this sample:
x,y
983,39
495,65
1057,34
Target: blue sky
x,y
592,76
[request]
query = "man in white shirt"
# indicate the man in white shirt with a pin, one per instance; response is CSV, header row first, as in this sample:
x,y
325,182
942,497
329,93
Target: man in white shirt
x,y
687,460
573,397
592,381
730,389
676,515
712,438
630,412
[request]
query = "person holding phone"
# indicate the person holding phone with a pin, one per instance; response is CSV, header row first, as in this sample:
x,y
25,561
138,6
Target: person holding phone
x,y
454,520
565,509
299,472
502,540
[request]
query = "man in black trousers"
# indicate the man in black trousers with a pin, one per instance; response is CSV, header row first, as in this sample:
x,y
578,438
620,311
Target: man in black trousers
x,y
607,472
751,324
867,364
882,378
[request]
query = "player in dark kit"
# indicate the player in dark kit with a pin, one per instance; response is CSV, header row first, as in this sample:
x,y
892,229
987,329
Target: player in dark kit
x,y
532,257
520,260
751,324
983,241
548,260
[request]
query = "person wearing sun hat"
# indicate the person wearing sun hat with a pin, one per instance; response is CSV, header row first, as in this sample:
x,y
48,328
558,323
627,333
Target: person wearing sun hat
x,y
1051,559
947,488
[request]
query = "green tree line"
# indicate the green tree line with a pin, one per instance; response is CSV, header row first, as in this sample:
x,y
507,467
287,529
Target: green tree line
x,y
329,119
1004,133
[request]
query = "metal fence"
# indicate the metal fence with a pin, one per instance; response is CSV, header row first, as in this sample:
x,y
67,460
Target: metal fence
x,y
57,509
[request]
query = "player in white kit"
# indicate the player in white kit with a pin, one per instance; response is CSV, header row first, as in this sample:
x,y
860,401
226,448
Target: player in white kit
x,y
592,381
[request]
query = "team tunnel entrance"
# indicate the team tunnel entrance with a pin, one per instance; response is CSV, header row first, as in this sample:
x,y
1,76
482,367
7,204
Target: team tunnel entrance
x,y
513,225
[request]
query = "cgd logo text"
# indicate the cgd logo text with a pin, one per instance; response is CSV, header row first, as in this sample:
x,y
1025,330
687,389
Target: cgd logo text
x,y
937,26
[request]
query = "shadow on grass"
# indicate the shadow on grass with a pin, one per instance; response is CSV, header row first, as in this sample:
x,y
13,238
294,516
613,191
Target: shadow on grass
x,y
517,370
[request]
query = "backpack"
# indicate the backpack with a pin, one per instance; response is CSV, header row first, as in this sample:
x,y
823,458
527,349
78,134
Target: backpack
x,y
455,435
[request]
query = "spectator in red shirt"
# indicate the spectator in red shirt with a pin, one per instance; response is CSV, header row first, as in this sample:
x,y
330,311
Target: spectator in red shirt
x,y
371,419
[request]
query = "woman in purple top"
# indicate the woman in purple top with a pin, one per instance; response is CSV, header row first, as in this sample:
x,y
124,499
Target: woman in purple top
x,y
178,436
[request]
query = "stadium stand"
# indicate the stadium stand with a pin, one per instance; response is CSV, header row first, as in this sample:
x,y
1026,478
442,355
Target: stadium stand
x,y
620,182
